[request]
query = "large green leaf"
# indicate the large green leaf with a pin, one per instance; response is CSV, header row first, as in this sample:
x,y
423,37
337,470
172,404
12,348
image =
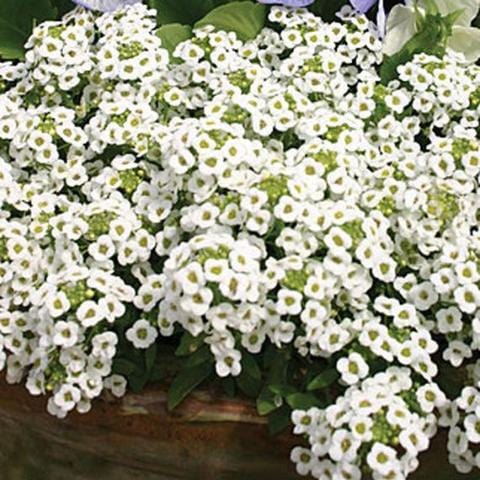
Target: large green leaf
x,y
17,19
181,11
173,34
245,18
186,382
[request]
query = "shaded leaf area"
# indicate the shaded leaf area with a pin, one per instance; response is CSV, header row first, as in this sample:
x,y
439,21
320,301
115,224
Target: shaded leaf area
x,y
17,19
173,34
183,11
245,18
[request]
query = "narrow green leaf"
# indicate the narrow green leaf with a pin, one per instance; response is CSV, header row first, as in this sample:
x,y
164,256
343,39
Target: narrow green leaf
x,y
281,389
122,366
173,34
228,385
200,356
186,382
323,380
279,420
250,366
245,18
17,19
150,357
189,344
302,401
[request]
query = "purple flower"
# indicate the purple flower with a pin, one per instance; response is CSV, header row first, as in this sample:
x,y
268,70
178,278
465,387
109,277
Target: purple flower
x,y
288,3
363,6
104,5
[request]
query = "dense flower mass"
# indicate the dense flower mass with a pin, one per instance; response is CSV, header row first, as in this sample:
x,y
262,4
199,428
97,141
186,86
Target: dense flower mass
x,y
272,191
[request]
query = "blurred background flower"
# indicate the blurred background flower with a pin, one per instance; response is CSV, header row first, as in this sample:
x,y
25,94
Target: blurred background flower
x,y
104,5
288,3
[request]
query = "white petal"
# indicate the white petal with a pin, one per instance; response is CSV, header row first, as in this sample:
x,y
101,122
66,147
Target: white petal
x,y
469,9
401,26
466,40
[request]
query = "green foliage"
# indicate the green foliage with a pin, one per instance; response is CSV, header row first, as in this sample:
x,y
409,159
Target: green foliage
x,y
431,38
302,401
250,379
327,10
189,344
62,6
17,19
183,11
245,18
323,380
173,34
186,381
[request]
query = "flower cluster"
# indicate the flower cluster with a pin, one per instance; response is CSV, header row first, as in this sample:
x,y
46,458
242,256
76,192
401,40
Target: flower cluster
x,y
271,191
378,428
462,417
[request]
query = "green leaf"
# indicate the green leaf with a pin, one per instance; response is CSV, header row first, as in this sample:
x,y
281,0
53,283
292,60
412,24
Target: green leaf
x,y
279,419
323,380
245,18
327,10
228,385
250,379
266,403
202,355
17,19
248,385
250,366
122,366
431,38
181,11
63,6
173,34
138,379
150,357
186,382
302,401
189,344
281,389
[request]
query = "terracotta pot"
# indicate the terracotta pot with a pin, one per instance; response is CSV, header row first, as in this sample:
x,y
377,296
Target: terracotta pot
x,y
135,438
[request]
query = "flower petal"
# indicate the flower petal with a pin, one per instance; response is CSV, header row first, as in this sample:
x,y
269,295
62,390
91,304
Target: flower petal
x,y
363,6
104,5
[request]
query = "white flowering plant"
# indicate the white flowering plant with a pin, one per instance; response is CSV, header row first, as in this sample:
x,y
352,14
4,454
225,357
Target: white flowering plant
x,y
260,199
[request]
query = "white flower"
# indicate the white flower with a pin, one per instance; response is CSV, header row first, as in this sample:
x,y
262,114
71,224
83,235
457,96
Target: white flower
x,y
303,459
228,363
353,368
104,344
58,304
472,427
116,384
382,459
141,334
67,397
289,302
66,334
89,313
